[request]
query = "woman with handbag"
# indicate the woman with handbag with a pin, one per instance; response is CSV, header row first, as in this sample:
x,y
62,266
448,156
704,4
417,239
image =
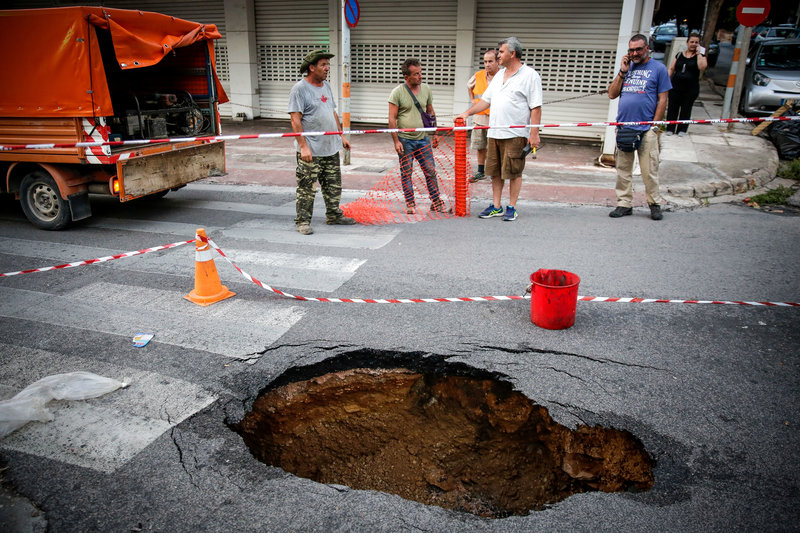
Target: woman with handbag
x,y
685,75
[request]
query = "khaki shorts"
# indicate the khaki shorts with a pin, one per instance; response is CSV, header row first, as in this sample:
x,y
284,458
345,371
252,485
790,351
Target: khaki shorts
x,y
504,158
479,139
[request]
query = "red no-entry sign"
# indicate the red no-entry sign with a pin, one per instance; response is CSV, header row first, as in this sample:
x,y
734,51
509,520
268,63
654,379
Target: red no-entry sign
x,y
752,12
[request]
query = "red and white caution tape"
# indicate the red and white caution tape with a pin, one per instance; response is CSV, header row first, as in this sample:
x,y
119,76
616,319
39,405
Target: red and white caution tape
x,y
374,300
47,146
474,298
661,301
98,260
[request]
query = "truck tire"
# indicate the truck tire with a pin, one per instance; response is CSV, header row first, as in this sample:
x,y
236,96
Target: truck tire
x,y
42,203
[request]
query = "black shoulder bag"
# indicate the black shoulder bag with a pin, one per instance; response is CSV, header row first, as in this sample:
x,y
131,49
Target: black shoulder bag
x,y
428,120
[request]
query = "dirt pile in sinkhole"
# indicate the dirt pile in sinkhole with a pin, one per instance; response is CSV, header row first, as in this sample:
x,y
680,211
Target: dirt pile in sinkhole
x,y
457,442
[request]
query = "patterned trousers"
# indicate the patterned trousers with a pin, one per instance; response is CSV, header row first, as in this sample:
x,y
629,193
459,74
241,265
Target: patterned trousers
x,y
326,172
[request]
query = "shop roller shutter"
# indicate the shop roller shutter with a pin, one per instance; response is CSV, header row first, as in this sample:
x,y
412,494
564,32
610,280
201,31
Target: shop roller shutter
x,y
571,43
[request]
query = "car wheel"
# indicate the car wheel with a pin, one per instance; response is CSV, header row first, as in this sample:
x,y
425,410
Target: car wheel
x,y
742,104
42,203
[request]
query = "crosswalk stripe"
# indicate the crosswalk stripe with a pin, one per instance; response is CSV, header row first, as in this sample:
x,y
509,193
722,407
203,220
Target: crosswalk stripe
x,y
102,433
234,328
358,237
287,270
313,272
150,226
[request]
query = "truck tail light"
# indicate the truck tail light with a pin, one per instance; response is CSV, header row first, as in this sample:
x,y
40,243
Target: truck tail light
x,y
114,186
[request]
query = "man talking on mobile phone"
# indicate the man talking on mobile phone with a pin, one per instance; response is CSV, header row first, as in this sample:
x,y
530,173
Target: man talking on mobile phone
x,y
642,85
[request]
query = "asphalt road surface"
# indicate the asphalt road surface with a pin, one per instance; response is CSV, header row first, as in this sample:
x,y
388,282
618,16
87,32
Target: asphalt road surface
x,y
711,390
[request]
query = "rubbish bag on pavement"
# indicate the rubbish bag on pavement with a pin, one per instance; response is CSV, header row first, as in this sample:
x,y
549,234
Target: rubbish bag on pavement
x,y
786,137
30,404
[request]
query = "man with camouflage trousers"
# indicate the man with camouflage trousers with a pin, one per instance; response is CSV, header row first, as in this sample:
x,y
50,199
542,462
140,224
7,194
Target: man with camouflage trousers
x,y
312,107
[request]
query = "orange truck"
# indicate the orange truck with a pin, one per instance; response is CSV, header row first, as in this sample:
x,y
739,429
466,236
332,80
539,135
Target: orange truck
x,y
91,74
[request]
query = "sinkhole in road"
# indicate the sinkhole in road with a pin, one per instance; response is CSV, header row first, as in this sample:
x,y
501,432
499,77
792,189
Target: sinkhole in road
x,y
435,432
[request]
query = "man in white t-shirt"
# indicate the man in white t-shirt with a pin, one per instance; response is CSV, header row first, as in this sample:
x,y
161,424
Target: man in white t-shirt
x,y
515,95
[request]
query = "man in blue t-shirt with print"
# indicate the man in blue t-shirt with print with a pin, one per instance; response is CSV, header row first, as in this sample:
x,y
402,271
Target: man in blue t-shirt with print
x,y
642,84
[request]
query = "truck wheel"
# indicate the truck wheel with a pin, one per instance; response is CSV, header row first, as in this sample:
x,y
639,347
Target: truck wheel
x,y
42,202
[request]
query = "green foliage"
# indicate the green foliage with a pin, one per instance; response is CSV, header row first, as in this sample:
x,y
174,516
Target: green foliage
x,y
775,196
790,170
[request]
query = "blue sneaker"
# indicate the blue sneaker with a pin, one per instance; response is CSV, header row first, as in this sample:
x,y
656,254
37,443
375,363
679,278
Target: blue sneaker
x,y
511,214
491,211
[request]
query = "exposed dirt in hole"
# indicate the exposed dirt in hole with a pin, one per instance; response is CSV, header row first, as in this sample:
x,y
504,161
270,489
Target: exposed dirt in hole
x,y
459,442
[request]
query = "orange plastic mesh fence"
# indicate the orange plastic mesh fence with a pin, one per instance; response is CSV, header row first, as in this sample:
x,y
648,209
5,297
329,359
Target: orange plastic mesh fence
x,y
385,202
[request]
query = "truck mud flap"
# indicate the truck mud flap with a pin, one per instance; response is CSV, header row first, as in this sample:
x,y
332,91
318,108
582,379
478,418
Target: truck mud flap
x,y
152,173
79,206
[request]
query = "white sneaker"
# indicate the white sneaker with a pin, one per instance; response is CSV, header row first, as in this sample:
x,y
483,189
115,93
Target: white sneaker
x,y
682,134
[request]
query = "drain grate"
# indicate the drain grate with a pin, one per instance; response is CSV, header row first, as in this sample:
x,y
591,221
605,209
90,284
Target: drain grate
x,y
462,442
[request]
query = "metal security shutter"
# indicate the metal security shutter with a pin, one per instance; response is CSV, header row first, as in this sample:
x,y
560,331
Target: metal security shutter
x,y
203,11
389,32
571,43
286,30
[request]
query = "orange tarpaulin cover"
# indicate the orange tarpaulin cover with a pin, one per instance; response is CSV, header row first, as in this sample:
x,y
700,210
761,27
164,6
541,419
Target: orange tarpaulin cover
x,y
51,63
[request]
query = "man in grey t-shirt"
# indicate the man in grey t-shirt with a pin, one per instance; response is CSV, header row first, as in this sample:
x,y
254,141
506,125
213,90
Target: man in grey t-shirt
x,y
312,107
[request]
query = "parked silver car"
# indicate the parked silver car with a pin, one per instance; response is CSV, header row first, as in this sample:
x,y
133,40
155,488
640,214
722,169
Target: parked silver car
x,y
772,76
784,31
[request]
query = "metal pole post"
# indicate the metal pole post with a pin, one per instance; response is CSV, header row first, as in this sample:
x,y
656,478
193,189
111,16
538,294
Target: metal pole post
x,y
737,89
726,108
460,169
345,80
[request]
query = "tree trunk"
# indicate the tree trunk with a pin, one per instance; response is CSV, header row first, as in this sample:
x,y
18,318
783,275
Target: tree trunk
x,y
712,14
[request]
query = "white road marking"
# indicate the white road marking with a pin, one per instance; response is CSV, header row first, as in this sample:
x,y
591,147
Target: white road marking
x,y
102,433
283,270
233,327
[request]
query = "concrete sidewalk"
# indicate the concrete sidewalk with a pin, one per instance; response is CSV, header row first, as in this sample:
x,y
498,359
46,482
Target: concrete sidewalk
x,y
709,163
714,160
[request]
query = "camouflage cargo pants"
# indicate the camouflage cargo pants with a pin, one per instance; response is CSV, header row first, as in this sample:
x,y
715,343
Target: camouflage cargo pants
x,y
325,171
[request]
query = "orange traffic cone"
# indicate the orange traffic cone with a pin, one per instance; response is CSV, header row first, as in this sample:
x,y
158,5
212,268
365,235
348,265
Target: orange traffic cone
x,y
207,287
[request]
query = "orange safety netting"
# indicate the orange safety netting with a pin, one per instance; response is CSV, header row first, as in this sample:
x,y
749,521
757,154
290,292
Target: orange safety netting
x,y
385,202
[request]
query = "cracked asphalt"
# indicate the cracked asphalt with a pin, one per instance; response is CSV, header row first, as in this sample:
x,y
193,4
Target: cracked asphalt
x,y
711,390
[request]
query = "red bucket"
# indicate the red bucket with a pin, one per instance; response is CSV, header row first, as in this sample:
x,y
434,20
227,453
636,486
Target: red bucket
x,y
554,296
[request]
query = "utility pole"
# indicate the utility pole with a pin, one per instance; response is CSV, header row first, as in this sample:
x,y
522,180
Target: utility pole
x,y
345,80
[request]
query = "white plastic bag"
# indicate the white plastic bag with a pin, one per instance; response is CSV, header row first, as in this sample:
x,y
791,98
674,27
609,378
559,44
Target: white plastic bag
x,y
30,403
